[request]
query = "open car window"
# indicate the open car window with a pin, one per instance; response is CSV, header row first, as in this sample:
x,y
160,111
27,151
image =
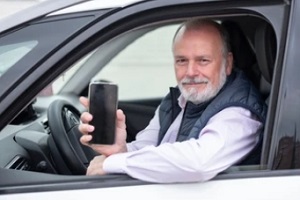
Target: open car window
x,y
143,69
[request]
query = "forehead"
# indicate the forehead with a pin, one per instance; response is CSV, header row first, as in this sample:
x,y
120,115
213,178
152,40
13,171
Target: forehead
x,y
205,30
204,39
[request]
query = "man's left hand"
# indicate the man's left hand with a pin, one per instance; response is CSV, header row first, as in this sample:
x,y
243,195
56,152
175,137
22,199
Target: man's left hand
x,y
96,166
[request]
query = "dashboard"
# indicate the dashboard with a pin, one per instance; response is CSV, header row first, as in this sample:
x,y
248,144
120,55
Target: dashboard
x,y
25,139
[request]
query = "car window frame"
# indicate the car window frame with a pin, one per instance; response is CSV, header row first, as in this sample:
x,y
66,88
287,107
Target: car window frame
x,y
10,86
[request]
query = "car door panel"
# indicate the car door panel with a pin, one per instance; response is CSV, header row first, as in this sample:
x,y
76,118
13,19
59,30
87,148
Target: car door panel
x,y
138,115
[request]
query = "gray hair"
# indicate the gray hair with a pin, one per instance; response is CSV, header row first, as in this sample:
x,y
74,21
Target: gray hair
x,y
198,23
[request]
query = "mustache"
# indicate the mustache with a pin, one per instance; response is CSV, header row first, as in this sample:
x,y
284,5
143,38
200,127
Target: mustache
x,y
195,80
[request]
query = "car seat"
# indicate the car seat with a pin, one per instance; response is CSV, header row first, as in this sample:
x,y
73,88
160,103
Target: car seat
x,y
257,61
265,47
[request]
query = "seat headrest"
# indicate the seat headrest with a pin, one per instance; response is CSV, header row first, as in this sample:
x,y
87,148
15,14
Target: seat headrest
x,y
265,47
243,51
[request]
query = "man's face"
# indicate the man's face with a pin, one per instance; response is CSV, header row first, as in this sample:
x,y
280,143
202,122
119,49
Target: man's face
x,y
200,66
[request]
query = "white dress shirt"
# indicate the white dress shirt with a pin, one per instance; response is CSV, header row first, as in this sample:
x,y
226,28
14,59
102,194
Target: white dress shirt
x,y
226,139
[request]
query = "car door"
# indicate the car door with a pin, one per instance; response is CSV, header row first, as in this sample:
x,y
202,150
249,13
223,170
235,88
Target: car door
x,y
264,181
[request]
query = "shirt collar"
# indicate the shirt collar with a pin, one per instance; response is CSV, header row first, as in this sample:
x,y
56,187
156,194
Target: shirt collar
x,y
181,101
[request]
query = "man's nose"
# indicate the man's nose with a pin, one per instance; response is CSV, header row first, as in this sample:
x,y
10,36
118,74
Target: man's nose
x,y
192,69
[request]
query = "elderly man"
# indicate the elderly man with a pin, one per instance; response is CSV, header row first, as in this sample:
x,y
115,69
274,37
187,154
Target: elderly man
x,y
211,121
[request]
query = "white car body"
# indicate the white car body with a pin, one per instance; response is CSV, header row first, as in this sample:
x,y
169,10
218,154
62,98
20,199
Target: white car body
x,y
270,188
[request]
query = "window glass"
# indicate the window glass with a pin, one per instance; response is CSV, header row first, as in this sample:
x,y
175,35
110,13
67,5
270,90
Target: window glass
x,y
12,53
61,80
144,69
31,43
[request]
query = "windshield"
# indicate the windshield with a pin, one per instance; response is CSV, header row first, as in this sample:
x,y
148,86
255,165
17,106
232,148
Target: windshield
x,y
12,53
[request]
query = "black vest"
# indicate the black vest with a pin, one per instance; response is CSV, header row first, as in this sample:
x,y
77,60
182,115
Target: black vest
x,y
237,91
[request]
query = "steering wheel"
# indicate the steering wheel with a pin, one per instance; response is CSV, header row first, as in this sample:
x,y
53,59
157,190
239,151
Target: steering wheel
x,y
63,119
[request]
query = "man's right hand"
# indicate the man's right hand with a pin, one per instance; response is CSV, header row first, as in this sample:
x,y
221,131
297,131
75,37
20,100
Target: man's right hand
x,y
107,150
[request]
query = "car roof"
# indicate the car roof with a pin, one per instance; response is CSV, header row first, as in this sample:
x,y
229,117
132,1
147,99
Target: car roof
x,y
56,7
95,4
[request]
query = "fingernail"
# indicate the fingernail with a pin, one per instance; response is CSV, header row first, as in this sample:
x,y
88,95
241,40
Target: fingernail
x,y
90,128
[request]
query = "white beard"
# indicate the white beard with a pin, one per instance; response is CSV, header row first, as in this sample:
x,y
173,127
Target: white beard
x,y
209,91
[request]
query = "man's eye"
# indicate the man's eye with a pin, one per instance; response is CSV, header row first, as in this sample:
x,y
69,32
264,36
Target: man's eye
x,y
181,61
204,61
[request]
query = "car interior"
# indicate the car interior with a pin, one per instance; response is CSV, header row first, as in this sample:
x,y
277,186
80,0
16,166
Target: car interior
x,y
44,137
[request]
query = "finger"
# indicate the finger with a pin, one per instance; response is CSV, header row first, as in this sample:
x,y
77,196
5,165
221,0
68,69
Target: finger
x,y
86,128
90,171
86,117
96,166
85,139
121,119
84,101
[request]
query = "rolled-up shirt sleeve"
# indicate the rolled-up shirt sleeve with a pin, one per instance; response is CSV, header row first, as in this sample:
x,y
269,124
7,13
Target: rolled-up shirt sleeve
x,y
226,139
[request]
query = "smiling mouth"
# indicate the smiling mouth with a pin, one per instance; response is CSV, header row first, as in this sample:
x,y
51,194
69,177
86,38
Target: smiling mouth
x,y
195,83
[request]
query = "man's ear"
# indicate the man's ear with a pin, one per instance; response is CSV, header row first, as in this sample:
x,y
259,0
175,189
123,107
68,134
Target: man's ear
x,y
229,63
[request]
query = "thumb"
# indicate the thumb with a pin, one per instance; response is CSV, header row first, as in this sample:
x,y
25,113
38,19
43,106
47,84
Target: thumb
x,y
121,120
